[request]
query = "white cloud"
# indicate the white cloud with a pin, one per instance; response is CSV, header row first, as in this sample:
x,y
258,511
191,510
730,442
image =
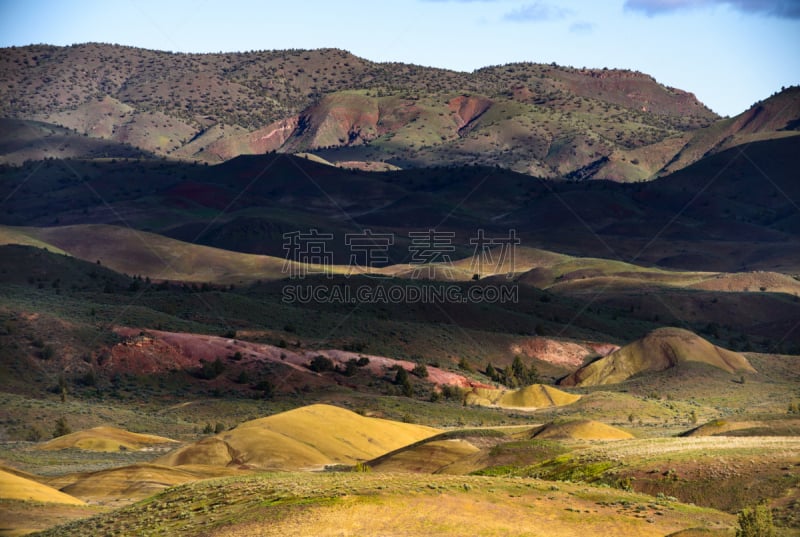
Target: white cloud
x,y
789,9
537,12
581,28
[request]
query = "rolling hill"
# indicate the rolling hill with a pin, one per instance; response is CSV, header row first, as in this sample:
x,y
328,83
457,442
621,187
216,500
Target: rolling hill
x,y
718,214
14,487
660,350
530,397
328,504
427,457
581,430
24,140
167,330
104,439
130,251
304,438
126,484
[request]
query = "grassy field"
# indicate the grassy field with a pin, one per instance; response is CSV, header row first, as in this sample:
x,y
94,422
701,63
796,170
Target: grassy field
x,y
354,504
579,459
722,472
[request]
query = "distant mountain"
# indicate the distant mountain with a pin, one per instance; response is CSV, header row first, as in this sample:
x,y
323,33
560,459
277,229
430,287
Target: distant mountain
x,y
775,117
543,120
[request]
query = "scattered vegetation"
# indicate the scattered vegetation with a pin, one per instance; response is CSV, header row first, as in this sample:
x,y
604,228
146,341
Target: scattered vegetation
x,y
756,522
61,428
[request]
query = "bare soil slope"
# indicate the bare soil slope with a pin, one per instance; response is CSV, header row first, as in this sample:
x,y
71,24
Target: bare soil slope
x,y
119,486
581,430
305,438
660,350
14,487
530,397
104,439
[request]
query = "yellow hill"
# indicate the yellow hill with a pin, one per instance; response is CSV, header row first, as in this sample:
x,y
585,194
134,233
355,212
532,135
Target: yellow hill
x,y
132,251
104,439
305,438
789,426
18,235
19,473
208,451
426,458
537,396
533,396
582,430
134,482
14,487
659,350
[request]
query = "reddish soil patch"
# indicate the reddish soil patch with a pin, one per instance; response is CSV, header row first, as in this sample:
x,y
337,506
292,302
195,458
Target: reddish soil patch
x,y
561,353
468,109
153,351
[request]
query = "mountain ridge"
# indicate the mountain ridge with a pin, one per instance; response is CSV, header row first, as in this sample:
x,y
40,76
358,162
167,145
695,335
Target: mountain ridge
x,y
540,119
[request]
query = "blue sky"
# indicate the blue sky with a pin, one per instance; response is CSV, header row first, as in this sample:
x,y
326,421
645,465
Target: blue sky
x,y
730,53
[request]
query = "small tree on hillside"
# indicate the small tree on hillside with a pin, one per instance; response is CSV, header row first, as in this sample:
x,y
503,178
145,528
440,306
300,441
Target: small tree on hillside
x,y
516,375
402,380
756,522
266,388
211,370
62,427
420,370
321,363
492,373
519,371
34,434
48,352
350,367
62,387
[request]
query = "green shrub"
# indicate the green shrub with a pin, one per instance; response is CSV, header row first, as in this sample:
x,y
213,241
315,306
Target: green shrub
x,y
420,370
266,388
62,427
402,380
48,352
453,392
756,522
320,364
350,367
362,467
211,370
34,434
